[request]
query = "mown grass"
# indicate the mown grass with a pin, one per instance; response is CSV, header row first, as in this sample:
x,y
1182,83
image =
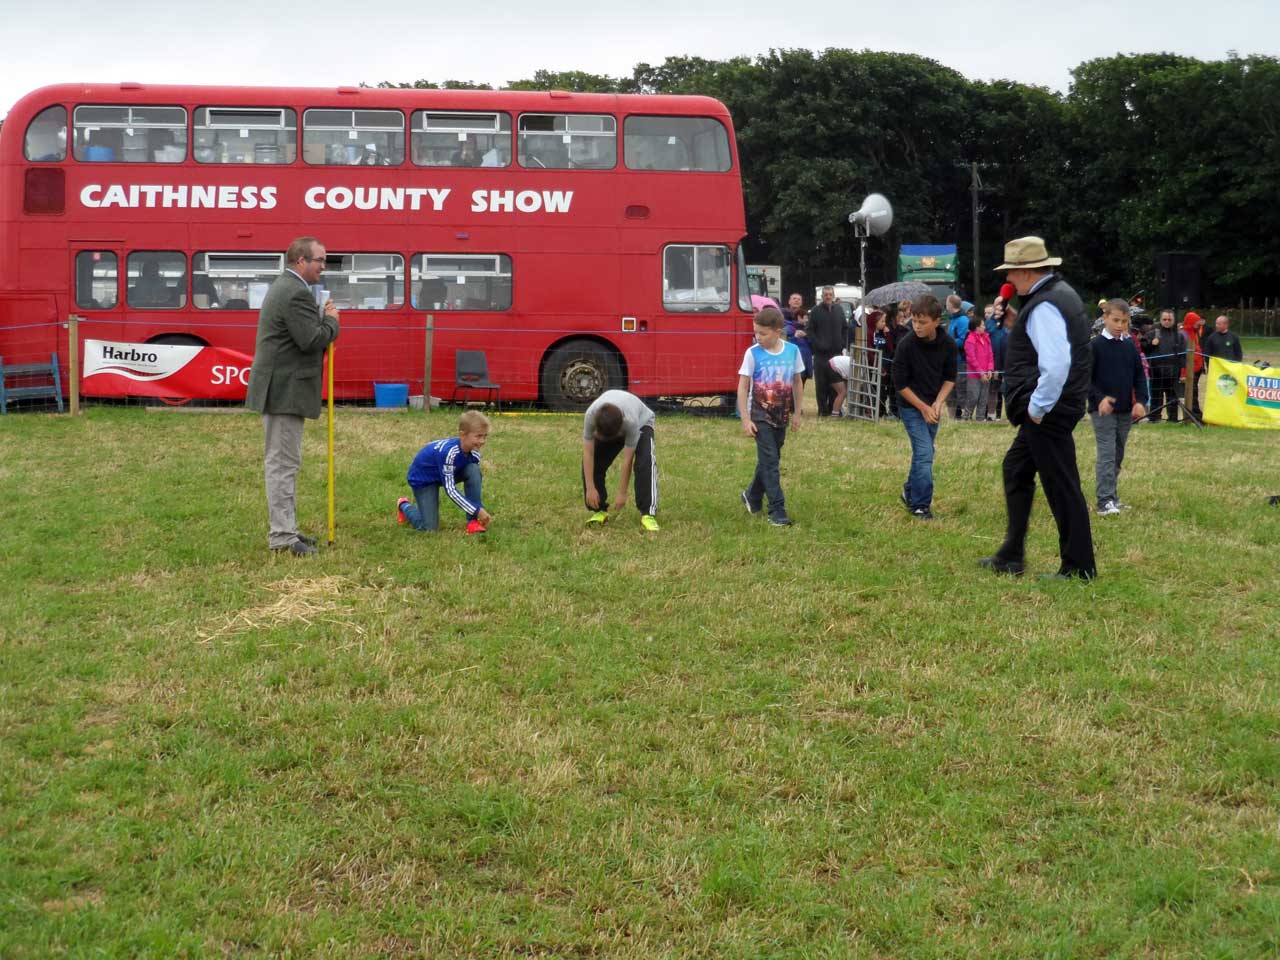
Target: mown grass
x,y
728,740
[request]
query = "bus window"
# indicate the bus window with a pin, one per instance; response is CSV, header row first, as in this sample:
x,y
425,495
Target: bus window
x,y
244,135
461,281
675,143
96,284
371,138
233,281
157,279
442,139
695,278
47,136
364,281
139,134
559,141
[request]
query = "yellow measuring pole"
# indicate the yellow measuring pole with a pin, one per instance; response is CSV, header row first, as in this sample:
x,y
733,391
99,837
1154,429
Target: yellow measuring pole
x,y
332,350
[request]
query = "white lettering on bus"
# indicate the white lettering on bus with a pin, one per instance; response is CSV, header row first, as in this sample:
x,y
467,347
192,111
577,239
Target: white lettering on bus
x,y
526,201
375,198
164,195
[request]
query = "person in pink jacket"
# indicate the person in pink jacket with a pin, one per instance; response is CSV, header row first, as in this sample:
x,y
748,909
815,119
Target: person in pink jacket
x,y
979,369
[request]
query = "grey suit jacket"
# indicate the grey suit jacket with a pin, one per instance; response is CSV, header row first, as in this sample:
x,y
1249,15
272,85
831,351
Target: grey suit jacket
x,y
289,355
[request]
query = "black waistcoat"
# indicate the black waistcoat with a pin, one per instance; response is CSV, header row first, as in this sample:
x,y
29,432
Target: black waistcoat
x,y
1022,363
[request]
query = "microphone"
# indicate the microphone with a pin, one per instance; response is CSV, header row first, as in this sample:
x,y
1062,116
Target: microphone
x,y
1007,292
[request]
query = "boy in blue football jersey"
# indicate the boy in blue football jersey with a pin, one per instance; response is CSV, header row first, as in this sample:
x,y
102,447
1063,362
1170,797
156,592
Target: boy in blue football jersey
x,y
769,388
442,463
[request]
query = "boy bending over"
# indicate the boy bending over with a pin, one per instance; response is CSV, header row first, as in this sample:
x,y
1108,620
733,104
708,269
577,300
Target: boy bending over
x,y
618,422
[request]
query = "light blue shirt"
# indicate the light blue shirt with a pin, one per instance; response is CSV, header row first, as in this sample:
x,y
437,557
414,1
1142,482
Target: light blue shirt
x,y
1047,328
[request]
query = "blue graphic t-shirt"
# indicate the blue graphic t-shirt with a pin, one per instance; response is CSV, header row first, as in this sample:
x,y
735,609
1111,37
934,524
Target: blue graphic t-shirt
x,y
772,377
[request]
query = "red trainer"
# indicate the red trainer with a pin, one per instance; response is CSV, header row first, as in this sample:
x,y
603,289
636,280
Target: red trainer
x,y
400,517
475,526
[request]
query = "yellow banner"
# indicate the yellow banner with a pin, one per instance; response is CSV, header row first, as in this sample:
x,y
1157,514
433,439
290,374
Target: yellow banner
x,y
1240,395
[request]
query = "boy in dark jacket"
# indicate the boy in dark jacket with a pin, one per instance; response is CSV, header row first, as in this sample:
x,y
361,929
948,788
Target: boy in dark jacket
x,y
1118,393
924,374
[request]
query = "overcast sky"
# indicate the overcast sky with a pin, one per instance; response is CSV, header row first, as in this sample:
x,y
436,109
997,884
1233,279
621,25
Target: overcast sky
x,y
330,43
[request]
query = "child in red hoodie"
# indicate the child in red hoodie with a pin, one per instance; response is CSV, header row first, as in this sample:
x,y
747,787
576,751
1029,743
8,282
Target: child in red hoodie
x,y
1192,324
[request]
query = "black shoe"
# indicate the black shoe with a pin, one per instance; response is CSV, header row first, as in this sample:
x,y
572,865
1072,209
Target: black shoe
x,y
309,541
1013,568
923,513
297,548
781,520
1069,575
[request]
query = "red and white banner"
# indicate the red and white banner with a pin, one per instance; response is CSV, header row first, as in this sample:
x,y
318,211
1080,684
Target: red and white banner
x,y
114,369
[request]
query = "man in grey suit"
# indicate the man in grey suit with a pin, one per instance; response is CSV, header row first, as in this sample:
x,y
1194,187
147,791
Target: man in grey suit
x,y
285,381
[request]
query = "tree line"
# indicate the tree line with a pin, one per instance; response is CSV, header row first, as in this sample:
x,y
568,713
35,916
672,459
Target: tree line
x,y
1145,153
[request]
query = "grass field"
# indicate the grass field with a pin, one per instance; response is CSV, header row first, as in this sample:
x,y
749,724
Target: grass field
x,y
1262,348
725,740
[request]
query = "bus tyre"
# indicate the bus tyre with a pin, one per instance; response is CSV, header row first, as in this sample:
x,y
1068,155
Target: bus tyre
x,y
578,372
177,340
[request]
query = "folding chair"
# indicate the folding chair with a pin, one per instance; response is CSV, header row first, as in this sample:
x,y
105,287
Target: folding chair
x,y
471,372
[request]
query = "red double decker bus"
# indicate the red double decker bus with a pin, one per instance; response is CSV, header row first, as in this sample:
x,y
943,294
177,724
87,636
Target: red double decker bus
x,y
583,241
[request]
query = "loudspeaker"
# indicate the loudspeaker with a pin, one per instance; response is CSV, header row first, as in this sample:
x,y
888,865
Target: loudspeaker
x,y
1178,280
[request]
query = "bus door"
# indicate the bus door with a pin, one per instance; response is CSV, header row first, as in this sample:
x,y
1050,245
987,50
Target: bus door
x,y
636,323
697,320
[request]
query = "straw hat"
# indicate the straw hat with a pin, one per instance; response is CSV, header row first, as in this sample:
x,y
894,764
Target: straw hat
x,y
1027,253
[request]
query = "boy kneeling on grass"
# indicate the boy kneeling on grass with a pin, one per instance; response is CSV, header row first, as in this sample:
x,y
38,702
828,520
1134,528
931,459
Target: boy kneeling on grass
x,y
618,422
924,374
442,463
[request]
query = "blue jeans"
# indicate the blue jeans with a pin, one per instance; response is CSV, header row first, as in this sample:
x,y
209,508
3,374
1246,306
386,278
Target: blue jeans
x,y
919,485
426,514
767,481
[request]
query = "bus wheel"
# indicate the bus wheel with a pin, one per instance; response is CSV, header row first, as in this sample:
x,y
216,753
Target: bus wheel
x,y
577,373
177,340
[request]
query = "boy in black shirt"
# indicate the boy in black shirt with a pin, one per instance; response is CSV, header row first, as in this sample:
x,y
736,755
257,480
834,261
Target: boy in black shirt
x,y
924,374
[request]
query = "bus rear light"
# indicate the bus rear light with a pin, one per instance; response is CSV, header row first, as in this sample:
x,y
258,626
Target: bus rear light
x,y
637,211
46,190
628,324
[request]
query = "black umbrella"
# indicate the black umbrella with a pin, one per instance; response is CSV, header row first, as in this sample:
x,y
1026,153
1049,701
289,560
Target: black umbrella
x,y
893,292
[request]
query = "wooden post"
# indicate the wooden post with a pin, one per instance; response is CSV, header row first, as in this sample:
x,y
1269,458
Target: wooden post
x,y
428,345
1190,398
329,371
73,373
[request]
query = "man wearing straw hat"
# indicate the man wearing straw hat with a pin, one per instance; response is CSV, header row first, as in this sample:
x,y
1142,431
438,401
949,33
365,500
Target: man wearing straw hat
x,y
284,382
1047,371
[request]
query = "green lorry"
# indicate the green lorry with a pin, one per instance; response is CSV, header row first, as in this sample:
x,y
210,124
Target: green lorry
x,y
934,264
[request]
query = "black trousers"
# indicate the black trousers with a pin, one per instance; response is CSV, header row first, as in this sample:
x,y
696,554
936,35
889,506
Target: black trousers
x,y
824,379
644,472
1049,450
1164,393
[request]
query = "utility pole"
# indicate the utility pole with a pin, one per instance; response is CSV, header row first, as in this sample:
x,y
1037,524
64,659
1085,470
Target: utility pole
x,y
974,186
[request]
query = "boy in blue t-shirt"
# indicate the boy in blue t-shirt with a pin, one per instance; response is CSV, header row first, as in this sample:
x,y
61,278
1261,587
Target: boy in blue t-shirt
x,y
769,387
442,463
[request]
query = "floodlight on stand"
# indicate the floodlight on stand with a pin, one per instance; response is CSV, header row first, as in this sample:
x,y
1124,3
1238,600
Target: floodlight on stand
x,y
874,217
